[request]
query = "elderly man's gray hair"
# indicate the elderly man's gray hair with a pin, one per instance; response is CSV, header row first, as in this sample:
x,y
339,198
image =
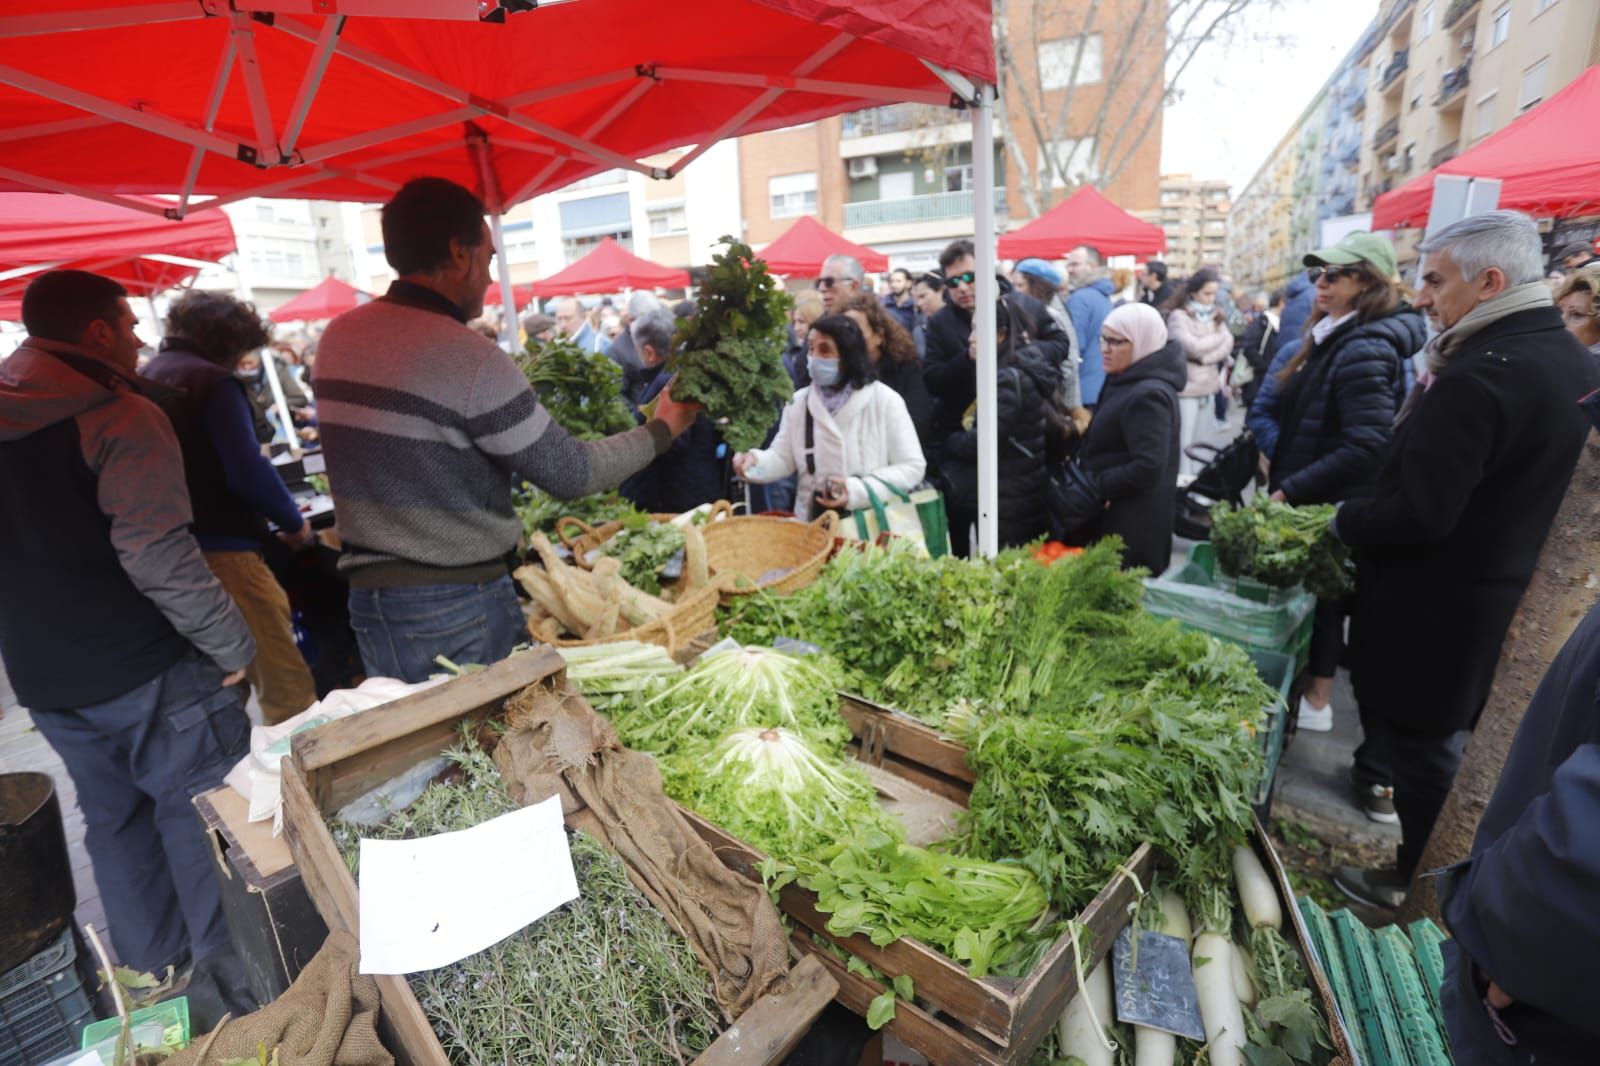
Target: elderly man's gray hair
x,y
640,302
1505,239
655,328
845,266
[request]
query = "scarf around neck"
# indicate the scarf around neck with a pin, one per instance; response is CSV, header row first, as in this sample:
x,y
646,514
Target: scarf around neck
x,y
1443,348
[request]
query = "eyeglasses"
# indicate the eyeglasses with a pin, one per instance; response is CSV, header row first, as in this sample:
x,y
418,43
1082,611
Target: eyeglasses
x,y
1112,340
957,280
1333,274
828,283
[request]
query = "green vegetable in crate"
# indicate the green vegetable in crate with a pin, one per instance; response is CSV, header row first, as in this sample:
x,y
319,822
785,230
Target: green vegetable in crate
x,y
644,548
1282,545
581,390
729,355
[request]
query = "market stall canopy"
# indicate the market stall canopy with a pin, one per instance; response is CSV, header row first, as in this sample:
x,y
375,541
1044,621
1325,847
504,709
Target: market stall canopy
x,y
800,250
42,231
1546,167
264,98
610,268
1085,217
329,299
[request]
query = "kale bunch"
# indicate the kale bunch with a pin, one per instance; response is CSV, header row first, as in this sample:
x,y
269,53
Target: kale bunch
x,y
581,390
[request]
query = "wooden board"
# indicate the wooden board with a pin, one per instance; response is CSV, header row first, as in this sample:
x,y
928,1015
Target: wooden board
x,y
340,761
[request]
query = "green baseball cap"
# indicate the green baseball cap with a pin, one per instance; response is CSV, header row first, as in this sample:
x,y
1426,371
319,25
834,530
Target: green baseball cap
x,y
1357,247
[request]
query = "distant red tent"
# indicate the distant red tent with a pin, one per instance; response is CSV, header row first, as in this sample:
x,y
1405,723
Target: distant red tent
x,y
802,247
329,299
1548,170
1085,217
610,268
47,230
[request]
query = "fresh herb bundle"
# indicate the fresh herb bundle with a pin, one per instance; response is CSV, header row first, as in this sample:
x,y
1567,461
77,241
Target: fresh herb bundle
x,y
1282,545
581,390
644,547
729,355
540,511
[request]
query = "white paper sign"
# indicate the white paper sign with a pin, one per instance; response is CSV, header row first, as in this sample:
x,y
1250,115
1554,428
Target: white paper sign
x,y
429,902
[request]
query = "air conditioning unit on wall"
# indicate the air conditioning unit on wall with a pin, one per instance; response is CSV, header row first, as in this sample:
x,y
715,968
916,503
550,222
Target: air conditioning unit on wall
x,y
865,166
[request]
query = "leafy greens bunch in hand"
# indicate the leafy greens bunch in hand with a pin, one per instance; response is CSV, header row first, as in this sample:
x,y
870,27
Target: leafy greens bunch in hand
x,y
581,390
729,356
1282,545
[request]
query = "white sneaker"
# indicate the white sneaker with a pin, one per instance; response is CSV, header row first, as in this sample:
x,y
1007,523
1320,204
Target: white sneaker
x,y
1314,719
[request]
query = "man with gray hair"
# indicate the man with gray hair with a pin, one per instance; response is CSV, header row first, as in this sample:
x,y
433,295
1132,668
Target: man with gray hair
x,y
636,373
841,277
689,472
1449,533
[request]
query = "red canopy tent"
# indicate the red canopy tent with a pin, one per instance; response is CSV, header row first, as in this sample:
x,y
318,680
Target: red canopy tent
x,y
610,268
802,247
1546,167
1085,217
42,231
329,299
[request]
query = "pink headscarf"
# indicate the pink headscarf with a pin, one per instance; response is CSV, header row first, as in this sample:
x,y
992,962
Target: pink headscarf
x,y
1141,324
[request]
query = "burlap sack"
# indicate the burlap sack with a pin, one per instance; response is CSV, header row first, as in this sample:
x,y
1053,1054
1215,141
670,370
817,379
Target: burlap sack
x,y
328,1017
558,745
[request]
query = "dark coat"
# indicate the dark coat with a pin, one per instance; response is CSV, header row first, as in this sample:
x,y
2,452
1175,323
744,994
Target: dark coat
x,y
1448,537
906,379
1521,909
1159,298
684,476
905,314
1131,451
1300,301
1022,389
1340,416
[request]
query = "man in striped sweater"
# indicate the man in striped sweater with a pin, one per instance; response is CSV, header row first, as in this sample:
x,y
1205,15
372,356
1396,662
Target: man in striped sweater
x,y
426,425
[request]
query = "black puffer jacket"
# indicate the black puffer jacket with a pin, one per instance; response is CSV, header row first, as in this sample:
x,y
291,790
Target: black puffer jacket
x,y
1023,386
906,379
1131,451
1335,424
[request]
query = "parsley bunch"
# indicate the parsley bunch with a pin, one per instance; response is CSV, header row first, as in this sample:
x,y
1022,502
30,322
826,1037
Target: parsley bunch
x,y
1282,545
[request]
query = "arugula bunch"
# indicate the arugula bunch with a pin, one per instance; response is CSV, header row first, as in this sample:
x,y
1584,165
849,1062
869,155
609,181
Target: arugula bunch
x,y
1282,545
581,390
729,355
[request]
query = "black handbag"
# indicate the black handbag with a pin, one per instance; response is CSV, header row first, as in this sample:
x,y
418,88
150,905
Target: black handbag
x,y
1073,500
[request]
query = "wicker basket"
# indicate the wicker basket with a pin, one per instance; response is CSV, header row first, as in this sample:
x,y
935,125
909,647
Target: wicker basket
x,y
588,537
690,617
748,547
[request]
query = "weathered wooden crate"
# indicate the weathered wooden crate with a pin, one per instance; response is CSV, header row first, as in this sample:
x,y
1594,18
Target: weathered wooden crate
x,y
911,749
338,762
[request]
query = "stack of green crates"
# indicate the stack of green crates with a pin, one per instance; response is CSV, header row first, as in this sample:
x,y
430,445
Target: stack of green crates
x,y
1277,670
1386,982
1237,609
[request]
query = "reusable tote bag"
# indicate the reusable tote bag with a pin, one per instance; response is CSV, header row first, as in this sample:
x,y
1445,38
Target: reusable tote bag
x,y
917,516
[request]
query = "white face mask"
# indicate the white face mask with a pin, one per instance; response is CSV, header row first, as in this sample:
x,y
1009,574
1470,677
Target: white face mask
x,y
824,372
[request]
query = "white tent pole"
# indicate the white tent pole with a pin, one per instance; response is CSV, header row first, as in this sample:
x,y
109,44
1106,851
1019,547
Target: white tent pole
x,y
269,366
983,321
479,145
155,317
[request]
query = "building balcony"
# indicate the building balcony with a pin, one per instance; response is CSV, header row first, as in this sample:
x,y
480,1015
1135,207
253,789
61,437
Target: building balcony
x,y
1443,155
1453,86
1351,157
931,208
1386,132
895,118
1391,73
1356,102
898,129
1456,11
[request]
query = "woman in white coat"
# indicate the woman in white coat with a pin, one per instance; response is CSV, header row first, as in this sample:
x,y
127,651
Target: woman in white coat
x,y
840,431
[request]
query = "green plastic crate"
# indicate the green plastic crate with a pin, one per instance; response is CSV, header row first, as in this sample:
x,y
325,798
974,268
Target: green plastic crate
x,y
1425,940
1375,1014
1326,947
1419,1026
1277,670
1246,612
172,1015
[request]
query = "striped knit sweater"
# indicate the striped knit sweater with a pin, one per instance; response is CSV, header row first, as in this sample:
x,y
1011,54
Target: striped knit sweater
x,y
426,425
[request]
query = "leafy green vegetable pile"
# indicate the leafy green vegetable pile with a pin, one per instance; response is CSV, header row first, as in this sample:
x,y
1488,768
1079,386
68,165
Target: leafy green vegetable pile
x,y
601,979
1282,545
730,353
644,547
540,511
581,390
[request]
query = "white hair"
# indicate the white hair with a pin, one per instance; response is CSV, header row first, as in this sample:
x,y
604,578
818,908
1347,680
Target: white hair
x,y
847,265
655,328
640,302
1508,240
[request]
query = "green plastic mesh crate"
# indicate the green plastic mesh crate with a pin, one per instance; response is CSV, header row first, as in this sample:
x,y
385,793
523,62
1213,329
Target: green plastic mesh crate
x,y
1425,940
1257,616
1326,946
1375,1015
1419,1025
1277,670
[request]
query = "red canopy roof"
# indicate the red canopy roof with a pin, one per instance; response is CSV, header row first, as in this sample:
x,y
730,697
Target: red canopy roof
x,y
46,230
610,268
329,299
802,247
1548,166
1085,217
142,96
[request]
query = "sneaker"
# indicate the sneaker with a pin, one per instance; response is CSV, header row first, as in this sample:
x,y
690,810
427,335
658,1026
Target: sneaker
x,y
1378,802
1382,889
1314,719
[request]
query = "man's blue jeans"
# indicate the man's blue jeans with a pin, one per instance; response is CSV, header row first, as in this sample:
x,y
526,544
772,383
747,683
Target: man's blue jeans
x,y
137,761
401,630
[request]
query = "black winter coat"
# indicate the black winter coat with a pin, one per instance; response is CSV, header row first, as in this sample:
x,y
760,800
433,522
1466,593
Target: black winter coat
x,y
1521,910
1449,534
1131,451
1022,387
1336,421
684,476
906,379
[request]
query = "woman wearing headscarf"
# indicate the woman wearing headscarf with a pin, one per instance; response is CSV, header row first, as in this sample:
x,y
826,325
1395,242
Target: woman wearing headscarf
x,y
1201,330
1131,449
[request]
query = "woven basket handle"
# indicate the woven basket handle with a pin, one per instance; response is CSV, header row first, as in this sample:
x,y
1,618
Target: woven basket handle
x,y
719,510
570,520
827,521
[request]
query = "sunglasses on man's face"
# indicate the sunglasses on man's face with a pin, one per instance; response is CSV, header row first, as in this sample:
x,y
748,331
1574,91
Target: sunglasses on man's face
x,y
828,283
1333,274
957,280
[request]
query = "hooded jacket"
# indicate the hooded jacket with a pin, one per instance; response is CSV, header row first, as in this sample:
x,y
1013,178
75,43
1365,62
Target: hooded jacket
x,y
1131,452
100,569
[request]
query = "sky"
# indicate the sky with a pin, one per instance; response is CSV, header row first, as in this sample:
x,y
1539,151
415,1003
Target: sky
x,y
1238,100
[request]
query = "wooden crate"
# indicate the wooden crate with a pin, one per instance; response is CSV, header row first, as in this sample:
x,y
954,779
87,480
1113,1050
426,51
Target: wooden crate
x,y
340,761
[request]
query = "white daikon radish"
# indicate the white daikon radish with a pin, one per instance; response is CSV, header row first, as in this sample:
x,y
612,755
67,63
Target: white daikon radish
x,y
1175,916
1082,1029
1219,1003
1243,985
1152,1047
1256,892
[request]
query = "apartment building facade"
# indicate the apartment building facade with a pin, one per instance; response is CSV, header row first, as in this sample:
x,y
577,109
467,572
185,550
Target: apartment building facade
x,y
1194,214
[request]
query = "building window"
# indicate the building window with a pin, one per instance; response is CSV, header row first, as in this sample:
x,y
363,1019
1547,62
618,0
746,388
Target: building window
x,y
1500,26
1416,101
1483,121
324,221
605,177
264,212
1074,158
1056,59
665,221
1531,91
575,248
958,179
793,194
1425,22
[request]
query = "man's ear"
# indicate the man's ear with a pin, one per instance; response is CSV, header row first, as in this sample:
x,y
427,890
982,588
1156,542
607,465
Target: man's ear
x,y
1493,284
